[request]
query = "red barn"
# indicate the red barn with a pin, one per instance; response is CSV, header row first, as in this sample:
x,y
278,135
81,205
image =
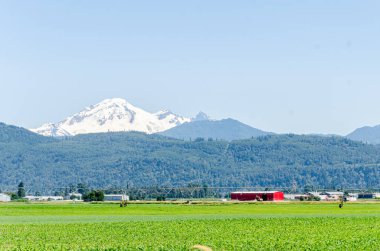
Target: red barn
x,y
258,195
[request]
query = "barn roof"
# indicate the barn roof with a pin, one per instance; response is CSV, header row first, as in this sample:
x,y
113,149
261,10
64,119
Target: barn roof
x,y
257,192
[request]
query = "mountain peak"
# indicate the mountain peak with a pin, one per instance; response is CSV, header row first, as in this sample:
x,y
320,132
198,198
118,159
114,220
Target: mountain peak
x,y
226,129
368,134
201,116
112,115
110,101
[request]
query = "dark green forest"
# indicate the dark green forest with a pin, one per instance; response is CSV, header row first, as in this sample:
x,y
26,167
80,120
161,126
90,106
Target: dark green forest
x,y
121,160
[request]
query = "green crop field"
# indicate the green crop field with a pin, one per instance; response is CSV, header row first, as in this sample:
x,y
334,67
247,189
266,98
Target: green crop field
x,y
277,226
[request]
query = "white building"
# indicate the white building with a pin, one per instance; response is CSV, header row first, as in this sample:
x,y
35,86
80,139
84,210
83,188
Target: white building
x,y
334,195
295,196
4,197
115,197
322,197
43,198
352,197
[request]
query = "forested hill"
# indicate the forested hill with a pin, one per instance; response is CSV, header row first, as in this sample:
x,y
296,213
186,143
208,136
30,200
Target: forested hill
x,y
9,133
136,159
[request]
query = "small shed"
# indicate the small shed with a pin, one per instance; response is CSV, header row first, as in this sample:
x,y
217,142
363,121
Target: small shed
x,y
4,197
258,195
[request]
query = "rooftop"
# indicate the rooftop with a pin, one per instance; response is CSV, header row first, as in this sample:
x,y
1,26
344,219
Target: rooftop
x,y
256,192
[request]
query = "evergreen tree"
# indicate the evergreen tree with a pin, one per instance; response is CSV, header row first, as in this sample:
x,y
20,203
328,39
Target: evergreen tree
x,y
21,190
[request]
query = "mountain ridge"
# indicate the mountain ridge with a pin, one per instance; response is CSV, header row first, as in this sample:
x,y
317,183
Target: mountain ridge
x,y
225,129
134,159
367,134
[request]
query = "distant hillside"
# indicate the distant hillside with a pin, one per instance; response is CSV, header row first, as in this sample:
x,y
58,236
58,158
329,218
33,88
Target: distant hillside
x,y
226,129
366,134
131,159
9,133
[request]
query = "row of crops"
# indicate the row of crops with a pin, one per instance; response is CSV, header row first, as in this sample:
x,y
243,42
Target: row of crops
x,y
339,232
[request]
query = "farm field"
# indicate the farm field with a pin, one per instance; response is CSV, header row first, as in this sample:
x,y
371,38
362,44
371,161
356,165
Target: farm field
x,y
269,226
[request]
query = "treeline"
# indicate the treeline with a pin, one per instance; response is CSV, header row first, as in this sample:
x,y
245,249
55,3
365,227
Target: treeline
x,y
71,192
85,192
194,191
137,160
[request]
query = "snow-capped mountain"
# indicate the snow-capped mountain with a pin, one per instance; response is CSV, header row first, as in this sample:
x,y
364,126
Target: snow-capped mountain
x,y
112,115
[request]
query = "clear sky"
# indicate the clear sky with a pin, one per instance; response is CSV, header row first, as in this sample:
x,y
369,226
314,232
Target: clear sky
x,y
309,66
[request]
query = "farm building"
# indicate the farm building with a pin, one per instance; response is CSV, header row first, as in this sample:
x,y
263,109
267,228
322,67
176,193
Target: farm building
x,y
43,198
258,195
318,195
115,197
296,196
4,197
333,195
366,196
352,197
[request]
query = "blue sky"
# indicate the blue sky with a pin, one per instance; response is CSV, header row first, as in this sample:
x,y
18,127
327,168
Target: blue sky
x,y
284,66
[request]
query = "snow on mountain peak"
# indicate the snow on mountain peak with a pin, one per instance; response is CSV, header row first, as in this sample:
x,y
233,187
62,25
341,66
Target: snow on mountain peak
x,y
168,117
113,102
112,115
